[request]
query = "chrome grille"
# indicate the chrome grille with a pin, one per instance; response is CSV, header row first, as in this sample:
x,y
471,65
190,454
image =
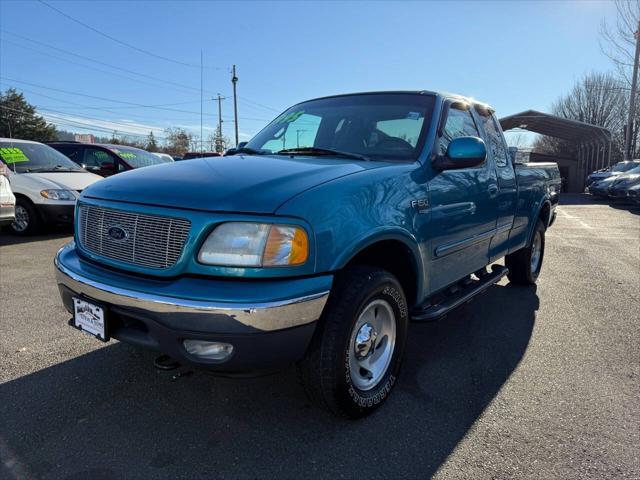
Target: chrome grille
x,y
150,241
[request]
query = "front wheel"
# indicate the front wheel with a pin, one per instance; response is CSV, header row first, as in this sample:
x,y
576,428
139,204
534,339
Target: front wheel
x,y
354,359
525,264
27,221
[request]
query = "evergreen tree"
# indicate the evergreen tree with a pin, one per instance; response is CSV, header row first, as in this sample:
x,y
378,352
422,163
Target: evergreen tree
x,y
18,119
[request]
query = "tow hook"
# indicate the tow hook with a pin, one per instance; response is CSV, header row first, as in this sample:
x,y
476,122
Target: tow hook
x,y
165,363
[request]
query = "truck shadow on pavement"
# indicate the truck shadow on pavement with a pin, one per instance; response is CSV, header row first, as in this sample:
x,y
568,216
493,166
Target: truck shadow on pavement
x,y
109,415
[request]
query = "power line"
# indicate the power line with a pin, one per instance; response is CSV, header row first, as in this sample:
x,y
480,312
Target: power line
x,y
83,57
123,102
56,120
245,99
132,104
49,55
109,110
128,45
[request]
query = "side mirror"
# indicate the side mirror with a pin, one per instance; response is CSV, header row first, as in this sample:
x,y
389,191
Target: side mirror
x,y
242,144
463,152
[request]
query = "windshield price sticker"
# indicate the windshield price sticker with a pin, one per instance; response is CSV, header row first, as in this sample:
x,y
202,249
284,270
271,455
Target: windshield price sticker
x,y
13,155
292,117
126,155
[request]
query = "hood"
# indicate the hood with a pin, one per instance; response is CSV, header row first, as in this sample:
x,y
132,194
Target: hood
x,y
53,180
627,179
65,180
238,183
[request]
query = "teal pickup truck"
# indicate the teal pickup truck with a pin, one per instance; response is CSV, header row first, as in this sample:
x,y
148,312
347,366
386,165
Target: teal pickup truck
x,y
316,242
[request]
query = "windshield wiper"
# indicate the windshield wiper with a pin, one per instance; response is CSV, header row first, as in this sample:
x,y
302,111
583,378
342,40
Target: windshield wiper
x,y
57,168
321,151
251,151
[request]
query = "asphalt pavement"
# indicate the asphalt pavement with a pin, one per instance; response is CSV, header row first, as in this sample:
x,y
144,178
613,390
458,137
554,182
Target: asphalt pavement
x,y
540,382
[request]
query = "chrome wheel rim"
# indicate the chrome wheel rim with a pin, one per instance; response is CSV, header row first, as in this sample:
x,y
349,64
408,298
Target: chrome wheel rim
x,y
371,346
536,252
21,221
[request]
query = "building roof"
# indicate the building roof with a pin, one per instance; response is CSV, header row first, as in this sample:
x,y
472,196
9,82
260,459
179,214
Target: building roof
x,y
552,126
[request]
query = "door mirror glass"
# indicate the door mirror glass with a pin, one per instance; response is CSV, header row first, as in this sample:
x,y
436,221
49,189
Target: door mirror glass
x,y
462,152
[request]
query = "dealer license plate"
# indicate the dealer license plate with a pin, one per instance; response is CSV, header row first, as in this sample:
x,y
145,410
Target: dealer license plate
x,y
89,318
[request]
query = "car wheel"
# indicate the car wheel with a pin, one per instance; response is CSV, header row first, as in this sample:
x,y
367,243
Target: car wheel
x,y
525,264
355,356
27,221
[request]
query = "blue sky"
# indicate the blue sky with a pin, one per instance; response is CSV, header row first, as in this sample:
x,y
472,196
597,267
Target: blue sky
x,y
513,55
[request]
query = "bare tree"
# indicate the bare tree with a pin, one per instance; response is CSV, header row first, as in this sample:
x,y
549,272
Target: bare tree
x,y
178,141
618,41
599,99
518,139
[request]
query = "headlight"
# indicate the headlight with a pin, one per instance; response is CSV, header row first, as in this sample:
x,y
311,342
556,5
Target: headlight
x,y
241,244
58,194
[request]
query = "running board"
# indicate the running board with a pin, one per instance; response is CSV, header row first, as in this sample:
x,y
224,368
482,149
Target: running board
x,y
466,293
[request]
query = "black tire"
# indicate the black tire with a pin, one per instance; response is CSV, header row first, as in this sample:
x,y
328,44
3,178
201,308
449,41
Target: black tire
x,y
27,211
521,270
325,371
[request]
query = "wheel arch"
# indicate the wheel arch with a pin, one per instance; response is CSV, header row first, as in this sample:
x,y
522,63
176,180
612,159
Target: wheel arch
x,y
394,251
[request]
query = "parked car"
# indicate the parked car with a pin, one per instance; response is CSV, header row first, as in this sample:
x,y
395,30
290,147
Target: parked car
x,y
634,193
601,187
618,169
45,183
315,248
619,188
7,198
165,156
191,155
106,159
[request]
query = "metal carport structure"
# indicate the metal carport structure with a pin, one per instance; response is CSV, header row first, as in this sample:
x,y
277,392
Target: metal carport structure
x,y
593,142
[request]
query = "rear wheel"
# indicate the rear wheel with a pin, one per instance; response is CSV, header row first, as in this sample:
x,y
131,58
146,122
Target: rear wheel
x,y
355,356
525,264
27,221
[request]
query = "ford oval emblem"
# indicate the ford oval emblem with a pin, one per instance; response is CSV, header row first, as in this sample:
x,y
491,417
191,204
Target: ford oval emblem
x,y
117,233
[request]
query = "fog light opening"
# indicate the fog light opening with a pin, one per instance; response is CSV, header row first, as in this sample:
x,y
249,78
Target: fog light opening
x,y
208,350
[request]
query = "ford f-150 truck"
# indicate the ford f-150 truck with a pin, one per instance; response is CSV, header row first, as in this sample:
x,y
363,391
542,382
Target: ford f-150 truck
x,y
316,242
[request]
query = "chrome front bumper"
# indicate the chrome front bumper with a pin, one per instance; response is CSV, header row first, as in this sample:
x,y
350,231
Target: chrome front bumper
x,y
264,316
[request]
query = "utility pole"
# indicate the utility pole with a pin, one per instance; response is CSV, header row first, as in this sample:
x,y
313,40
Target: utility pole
x,y
632,101
201,101
298,131
234,80
219,135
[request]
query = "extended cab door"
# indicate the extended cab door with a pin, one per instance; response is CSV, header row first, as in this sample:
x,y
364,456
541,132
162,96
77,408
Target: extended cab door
x,y
463,206
507,186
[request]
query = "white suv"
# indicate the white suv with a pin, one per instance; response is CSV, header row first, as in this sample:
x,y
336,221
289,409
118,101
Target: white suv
x,y
46,184
7,199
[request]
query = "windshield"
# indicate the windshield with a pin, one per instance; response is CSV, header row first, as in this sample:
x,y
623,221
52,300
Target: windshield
x,y
23,157
624,166
164,158
633,171
376,126
136,157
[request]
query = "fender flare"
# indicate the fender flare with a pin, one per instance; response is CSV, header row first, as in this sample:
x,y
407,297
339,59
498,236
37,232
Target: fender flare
x,y
534,219
381,234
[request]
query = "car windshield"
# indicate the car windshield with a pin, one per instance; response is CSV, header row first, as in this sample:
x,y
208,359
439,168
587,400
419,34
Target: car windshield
x,y
23,157
633,171
367,126
136,157
624,166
